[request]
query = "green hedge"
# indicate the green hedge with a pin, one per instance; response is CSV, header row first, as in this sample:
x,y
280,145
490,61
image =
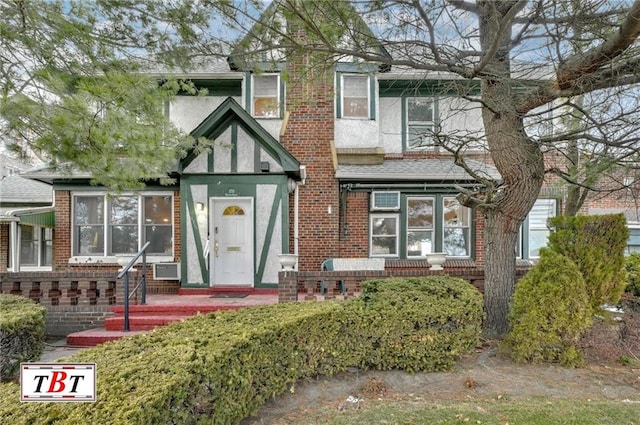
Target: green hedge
x,y
597,245
21,333
550,311
220,368
632,267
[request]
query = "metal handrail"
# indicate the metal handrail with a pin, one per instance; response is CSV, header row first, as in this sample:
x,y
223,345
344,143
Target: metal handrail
x,y
143,282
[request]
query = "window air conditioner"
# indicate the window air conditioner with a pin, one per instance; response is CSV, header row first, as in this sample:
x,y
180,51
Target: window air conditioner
x,y
166,271
385,201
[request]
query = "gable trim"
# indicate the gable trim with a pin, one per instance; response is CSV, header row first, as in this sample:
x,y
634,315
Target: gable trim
x,y
231,114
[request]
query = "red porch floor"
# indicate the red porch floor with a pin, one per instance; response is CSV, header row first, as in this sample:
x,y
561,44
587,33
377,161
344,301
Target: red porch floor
x,y
161,310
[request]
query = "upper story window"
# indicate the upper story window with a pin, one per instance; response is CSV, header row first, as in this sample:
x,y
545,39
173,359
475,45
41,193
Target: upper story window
x,y
420,125
266,96
355,96
105,226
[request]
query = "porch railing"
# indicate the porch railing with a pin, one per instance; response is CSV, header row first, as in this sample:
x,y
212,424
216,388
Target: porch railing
x,y
142,283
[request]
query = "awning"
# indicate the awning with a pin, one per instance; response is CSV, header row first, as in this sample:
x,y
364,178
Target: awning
x,y
42,219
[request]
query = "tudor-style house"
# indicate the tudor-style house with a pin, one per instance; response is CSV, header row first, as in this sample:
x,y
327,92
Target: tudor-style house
x,y
338,166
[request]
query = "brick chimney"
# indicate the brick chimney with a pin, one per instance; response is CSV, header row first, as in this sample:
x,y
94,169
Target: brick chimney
x,y
308,134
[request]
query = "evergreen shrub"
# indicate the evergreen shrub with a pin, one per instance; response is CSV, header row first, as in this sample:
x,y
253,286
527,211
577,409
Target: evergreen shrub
x,y
596,244
632,267
220,368
550,311
418,324
21,333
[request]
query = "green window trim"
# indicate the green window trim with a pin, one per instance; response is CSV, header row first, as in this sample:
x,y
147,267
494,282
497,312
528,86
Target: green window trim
x,y
437,230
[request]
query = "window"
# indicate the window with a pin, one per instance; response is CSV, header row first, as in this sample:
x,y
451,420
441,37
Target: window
x,y
633,245
420,122
355,96
384,235
426,224
129,222
420,226
456,226
36,246
266,96
542,210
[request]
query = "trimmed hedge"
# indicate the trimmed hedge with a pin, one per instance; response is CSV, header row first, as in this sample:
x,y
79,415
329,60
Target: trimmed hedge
x,y
597,245
632,267
21,333
220,368
550,311
418,324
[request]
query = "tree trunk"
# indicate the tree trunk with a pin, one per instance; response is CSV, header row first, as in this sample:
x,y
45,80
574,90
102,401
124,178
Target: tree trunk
x,y
521,164
518,159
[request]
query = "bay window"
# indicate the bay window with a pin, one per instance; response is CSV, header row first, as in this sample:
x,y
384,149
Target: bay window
x,y
108,226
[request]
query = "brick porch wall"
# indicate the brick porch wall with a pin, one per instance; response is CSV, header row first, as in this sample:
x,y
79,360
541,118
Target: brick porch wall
x,y
74,302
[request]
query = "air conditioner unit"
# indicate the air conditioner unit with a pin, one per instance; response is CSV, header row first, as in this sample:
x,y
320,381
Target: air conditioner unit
x,y
166,271
385,201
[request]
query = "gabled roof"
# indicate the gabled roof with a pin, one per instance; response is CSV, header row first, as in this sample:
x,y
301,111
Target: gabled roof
x,y
243,57
230,111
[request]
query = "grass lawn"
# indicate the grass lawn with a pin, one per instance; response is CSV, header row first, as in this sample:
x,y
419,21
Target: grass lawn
x,y
485,411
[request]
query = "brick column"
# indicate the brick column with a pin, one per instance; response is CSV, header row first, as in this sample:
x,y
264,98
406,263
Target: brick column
x,y
287,287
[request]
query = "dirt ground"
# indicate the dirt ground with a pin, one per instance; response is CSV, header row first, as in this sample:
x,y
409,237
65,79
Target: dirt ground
x,y
486,374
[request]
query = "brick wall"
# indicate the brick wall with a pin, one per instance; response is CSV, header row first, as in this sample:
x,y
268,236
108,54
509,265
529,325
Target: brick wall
x,y
74,301
354,238
308,136
4,246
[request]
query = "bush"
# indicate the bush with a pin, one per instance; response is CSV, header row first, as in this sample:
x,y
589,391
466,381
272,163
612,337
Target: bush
x,y
632,267
550,311
21,333
222,367
418,324
596,244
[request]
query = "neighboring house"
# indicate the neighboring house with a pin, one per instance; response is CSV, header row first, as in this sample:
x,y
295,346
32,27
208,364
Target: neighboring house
x,y
338,167
26,224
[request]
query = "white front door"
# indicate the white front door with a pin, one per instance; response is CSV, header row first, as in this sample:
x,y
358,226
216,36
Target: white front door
x,y
231,241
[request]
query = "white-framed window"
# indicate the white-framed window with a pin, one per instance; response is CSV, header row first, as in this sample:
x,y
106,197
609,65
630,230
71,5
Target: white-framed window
x,y
384,235
266,96
36,247
115,225
420,225
420,125
456,225
355,96
538,230
633,245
